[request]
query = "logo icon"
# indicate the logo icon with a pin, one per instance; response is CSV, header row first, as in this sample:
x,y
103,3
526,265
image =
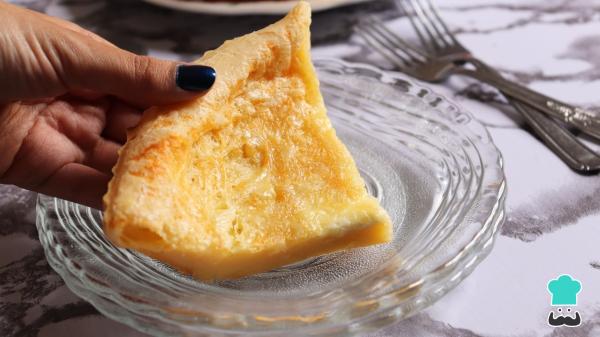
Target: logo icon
x,y
563,291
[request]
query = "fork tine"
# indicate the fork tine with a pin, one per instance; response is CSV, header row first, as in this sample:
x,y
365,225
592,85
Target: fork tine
x,y
390,40
432,42
376,43
425,17
397,56
425,13
441,22
397,42
429,44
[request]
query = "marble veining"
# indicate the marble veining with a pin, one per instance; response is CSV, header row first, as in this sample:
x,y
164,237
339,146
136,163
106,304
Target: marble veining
x,y
553,215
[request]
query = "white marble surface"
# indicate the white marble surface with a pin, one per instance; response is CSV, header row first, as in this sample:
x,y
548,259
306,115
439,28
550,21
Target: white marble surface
x,y
553,224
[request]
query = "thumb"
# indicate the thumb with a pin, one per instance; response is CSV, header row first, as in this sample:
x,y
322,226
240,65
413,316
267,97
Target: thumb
x,y
141,80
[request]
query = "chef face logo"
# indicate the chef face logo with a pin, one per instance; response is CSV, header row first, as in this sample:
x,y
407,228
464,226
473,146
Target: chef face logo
x,y
563,291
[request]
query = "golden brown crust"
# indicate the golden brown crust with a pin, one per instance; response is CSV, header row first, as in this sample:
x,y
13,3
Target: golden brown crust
x,y
141,182
153,205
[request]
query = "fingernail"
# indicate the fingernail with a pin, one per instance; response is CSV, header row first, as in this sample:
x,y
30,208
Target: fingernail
x,y
195,77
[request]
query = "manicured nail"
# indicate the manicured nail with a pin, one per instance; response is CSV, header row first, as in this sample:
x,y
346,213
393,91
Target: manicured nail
x,y
195,77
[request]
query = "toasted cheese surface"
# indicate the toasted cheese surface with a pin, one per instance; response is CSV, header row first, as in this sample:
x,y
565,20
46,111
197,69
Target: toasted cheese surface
x,y
248,177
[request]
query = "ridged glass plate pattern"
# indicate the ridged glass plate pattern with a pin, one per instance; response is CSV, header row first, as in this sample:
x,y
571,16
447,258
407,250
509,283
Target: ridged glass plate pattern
x,y
432,166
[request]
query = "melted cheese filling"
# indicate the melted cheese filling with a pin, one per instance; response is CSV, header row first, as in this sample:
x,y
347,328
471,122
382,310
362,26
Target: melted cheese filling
x,y
267,169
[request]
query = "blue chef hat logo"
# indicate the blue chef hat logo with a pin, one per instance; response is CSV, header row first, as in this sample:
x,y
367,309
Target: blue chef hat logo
x,y
564,290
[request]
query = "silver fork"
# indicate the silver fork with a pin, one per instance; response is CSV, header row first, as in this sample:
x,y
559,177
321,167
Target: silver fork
x,y
439,41
446,56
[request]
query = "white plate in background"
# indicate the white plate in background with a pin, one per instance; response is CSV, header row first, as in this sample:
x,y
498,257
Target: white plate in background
x,y
244,8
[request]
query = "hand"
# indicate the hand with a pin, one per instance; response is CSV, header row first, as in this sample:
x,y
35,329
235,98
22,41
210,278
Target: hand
x,y
67,97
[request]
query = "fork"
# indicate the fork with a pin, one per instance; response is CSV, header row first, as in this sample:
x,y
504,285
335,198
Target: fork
x,y
437,38
446,56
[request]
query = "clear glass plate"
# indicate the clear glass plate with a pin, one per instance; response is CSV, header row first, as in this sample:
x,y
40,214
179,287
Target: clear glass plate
x,y
434,169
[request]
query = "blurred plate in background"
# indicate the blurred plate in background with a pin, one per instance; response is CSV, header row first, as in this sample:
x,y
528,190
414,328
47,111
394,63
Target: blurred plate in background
x,y
250,7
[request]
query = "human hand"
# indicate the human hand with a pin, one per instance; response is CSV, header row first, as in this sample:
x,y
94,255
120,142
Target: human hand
x,y
67,97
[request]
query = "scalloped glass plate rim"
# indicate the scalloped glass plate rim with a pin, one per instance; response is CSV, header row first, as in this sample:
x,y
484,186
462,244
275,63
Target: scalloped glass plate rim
x,y
453,270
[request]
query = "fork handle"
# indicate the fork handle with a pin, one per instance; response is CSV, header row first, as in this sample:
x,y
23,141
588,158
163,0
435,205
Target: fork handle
x,y
583,120
574,153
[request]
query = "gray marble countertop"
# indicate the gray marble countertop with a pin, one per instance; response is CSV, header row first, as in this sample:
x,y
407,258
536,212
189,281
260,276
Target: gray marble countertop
x,y
553,222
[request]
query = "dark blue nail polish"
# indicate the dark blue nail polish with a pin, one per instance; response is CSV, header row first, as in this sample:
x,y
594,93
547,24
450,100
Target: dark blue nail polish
x,y
195,77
